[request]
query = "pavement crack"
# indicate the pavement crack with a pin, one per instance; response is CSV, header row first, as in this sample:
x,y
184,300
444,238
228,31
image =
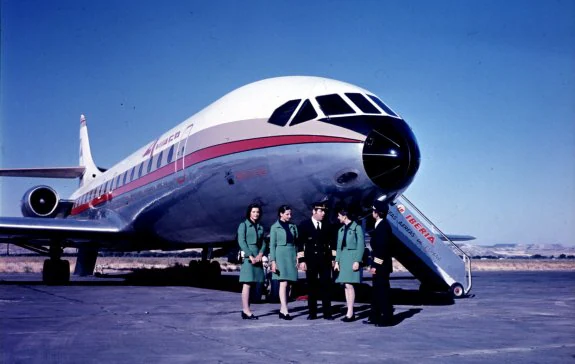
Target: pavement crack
x,y
54,294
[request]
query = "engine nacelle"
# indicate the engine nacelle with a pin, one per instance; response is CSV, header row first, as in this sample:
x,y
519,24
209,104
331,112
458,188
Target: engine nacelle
x,y
40,201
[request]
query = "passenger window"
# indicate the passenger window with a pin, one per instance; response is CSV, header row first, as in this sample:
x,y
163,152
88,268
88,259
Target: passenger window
x,y
140,170
383,106
159,163
132,173
118,181
124,180
333,105
363,104
305,113
149,169
282,114
170,154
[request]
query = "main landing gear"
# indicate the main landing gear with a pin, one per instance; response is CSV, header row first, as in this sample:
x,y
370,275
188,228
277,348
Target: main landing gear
x,y
205,272
55,270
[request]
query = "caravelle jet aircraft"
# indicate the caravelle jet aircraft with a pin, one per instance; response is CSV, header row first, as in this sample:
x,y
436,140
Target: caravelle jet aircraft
x,y
282,140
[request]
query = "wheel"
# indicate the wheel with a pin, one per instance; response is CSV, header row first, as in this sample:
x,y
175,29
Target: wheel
x,y
457,290
48,272
63,272
55,272
215,270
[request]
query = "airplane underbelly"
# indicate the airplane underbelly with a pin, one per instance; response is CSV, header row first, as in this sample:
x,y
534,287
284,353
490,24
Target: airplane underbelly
x,y
212,203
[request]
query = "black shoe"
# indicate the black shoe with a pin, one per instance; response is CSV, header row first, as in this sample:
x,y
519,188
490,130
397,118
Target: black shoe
x,y
246,317
285,317
328,317
385,322
312,317
348,319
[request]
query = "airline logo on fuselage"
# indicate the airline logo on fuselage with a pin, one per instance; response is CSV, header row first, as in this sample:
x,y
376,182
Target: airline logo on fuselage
x,y
158,144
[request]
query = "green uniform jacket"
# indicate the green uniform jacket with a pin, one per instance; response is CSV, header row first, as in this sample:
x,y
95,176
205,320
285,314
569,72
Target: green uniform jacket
x,y
353,252
251,243
282,253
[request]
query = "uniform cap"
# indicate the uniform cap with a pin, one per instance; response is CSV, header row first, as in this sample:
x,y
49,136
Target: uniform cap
x,y
319,205
380,206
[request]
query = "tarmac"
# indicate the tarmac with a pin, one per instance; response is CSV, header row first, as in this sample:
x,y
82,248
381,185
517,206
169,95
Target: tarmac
x,y
511,317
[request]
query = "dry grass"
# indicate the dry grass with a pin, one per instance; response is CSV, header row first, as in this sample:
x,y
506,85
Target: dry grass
x,y
24,264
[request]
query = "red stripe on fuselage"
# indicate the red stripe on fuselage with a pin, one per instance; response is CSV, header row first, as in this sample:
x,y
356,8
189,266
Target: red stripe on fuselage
x,y
212,152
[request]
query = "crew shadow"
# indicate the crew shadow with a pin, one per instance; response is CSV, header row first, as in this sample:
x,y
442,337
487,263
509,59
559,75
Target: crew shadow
x,y
186,276
400,317
399,296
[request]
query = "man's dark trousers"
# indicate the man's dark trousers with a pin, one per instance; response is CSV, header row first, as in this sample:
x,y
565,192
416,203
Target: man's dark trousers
x,y
319,286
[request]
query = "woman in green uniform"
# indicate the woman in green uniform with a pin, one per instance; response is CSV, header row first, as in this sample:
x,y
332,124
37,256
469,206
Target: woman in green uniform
x,y
252,244
350,247
283,236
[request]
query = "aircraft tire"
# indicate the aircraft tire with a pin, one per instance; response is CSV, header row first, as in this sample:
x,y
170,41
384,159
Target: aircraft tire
x,y
215,270
56,272
457,290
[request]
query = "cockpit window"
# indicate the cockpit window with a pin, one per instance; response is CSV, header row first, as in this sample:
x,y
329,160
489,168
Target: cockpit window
x,y
333,105
363,104
382,105
282,114
305,113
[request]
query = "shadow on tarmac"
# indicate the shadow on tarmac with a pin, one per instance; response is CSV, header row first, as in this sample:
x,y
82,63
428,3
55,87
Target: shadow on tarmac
x,y
189,276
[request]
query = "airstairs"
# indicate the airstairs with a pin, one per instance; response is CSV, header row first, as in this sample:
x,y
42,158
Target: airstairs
x,y
426,252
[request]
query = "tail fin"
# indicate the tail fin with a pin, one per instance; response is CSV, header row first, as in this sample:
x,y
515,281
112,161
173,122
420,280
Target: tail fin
x,y
86,155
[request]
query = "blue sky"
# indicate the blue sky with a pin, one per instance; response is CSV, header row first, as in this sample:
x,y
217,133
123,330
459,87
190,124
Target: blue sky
x,y
487,86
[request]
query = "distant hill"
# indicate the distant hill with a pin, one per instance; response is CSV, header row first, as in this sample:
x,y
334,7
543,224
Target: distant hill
x,y
517,250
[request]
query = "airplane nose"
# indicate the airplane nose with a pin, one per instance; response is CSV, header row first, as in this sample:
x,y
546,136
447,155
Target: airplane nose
x,y
391,155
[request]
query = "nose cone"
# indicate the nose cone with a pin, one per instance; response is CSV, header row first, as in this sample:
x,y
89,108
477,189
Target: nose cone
x,y
391,155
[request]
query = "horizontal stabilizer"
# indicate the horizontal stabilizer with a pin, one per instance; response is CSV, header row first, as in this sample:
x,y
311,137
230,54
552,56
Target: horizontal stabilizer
x,y
57,172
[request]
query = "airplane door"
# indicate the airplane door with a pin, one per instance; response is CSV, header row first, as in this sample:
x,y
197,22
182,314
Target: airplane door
x,y
180,164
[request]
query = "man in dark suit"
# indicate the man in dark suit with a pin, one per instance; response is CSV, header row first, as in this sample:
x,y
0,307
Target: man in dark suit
x,y
381,266
315,256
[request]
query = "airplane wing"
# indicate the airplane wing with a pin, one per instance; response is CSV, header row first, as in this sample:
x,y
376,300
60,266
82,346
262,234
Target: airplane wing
x,y
37,231
455,237
57,172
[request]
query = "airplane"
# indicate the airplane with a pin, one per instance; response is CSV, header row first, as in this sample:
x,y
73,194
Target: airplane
x,y
294,140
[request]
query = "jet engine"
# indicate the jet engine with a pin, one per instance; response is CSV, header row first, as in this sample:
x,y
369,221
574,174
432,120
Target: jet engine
x,y
40,201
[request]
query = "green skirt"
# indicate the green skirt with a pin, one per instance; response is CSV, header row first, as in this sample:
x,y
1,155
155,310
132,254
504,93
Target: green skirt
x,y
286,263
346,272
251,273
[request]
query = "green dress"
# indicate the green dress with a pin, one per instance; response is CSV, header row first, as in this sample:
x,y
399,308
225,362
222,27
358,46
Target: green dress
x,y
283,251
251,241
352,252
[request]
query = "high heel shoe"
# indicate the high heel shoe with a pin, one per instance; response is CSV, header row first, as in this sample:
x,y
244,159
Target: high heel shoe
x,y
246,317
348,319
285,317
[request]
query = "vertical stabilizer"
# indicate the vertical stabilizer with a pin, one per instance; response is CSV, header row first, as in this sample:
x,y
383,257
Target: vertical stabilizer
x,y
86,155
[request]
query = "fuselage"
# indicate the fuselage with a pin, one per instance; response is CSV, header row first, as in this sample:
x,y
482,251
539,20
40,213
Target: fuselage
x,y
287,140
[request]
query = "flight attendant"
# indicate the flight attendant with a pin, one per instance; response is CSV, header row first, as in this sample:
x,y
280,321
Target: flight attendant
x,y
349,253
253,245
283,236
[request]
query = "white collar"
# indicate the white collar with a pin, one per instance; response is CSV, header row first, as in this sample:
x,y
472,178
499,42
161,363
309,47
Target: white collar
x,y
315,222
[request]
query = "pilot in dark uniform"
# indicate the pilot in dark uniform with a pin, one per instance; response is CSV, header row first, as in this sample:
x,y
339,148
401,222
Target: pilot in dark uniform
x,y
381,266
316,252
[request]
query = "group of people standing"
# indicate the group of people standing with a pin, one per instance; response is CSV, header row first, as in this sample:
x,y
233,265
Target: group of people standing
x,y
313,248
